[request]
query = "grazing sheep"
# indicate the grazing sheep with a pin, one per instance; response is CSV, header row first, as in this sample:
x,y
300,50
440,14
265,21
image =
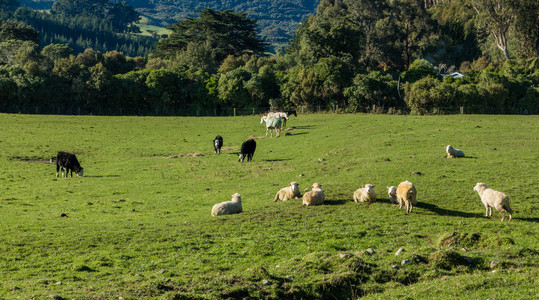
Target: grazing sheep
x,y
406,195
392,193
247,150
217,144
452,152
289,192
365,194
228,207
314,197
493,199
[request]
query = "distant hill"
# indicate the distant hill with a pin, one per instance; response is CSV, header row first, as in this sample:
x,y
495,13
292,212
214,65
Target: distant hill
x,y
278,19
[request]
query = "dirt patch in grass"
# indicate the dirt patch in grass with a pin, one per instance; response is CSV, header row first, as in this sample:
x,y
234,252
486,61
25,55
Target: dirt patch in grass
x,y
45,160
196,154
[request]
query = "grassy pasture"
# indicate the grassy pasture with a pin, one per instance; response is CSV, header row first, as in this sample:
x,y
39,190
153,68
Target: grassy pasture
x,y
138,224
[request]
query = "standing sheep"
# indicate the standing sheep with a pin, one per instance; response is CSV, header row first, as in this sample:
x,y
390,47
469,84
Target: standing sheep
x,y
314,197
493,199
289,192
452,152
217,144
365,194
392,193
407,195
247,150
228,207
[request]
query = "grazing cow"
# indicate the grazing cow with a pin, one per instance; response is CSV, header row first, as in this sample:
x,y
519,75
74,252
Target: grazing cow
x,y
247,150
69,162
217,144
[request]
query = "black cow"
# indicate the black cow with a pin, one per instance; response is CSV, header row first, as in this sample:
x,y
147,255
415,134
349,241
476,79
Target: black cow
x,y
217,144
69,162
247,150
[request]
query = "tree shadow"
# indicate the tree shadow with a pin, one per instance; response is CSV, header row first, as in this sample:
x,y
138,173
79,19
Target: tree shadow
x,y
446,212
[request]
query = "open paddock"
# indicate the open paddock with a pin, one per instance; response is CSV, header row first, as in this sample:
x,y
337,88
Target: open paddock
x,y
138,224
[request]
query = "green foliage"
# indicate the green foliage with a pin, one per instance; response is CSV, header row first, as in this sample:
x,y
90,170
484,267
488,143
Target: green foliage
x,y
226,32
371,89
121,16
81,32
231,88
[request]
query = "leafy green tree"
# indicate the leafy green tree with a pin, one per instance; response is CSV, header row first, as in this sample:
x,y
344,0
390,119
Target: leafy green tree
x,y
54,52
527,28
419,69
374,88
495,17
228,32
231,88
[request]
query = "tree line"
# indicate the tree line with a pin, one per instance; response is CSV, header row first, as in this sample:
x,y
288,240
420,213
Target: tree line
x,y
357,56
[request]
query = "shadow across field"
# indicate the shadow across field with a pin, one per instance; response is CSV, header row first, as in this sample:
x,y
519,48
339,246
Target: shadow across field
x,y
446,212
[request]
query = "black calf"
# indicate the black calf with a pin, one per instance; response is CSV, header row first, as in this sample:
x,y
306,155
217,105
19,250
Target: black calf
x,y
217,144
68,162
247,150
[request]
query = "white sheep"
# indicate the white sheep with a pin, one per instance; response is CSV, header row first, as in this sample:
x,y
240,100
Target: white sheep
x,y
228,207
314,197
365,194
452,152
392,193
493,199
289,192
407,195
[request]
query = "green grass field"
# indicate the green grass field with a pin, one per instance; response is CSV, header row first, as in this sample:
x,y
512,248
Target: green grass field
x,y
147,29
138,224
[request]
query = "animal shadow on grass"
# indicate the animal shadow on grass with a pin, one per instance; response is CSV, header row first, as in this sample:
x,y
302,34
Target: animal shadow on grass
x,y
446,212
296,133
277,159
305,127
336,201
101,176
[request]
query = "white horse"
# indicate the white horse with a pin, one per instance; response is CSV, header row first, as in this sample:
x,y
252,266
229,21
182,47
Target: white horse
x,y
281,115
271,124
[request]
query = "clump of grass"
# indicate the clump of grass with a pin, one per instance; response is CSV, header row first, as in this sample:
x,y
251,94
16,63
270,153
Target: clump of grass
x,y
459,239
451,259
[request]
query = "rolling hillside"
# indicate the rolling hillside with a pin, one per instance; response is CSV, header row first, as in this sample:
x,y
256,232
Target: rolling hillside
x,y
278,20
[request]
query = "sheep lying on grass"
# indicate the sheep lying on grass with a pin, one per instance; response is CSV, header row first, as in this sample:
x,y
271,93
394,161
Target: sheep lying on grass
x,y
289,192
406,195
452,152
228,207
314,197
392,193
493,199
365,194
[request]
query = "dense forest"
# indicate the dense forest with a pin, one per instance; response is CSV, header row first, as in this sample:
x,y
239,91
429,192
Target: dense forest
x,y
277,19
389,56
